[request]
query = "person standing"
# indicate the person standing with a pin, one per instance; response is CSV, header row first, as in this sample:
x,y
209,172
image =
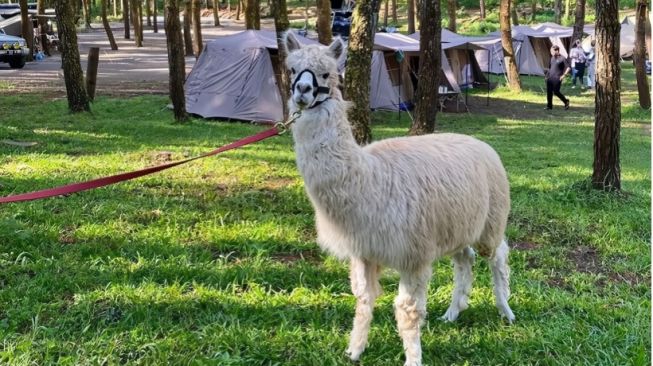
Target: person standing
x,y
578,59
591,62
558,70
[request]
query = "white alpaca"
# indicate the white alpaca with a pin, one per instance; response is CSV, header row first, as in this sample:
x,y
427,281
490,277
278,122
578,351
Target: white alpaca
x,y
399,203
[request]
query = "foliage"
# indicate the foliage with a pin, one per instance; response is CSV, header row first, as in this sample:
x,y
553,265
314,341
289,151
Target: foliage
x,y
215,262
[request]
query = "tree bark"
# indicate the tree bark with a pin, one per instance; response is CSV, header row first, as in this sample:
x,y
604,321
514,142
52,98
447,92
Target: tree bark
x,y
567,9
125,17
359,63
238,8
148,12
557,11
87,14
250,14
386,9
607,111
394,12
426,96
72,69
216,13
324,22
579,22
107,27
506,41
451,10
411,16
513,13
188,38
136,23
197,29
155,17
176,60
257,15
639,55
481,6
281,25
26,28
43,24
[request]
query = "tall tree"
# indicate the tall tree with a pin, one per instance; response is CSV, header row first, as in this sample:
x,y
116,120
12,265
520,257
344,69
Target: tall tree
x,y
107,27
579,22
481,6
188,38
257,15
557,11
26,28
513,13
281,25
125,17
216,13
639,55
136,23
567,9
386,9
86,8
451,10
411,16
250,14
359,63
607,111
72,69
43,24
508,52
394,12
324,22
533,9
426,96
175,60
155,17
197,29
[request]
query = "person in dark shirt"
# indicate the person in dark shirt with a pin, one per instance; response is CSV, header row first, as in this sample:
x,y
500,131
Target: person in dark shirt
x,y
558,69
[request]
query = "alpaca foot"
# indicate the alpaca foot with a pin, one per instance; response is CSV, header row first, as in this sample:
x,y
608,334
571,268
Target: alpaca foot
x,y
413,363
505,312
354,353
452,313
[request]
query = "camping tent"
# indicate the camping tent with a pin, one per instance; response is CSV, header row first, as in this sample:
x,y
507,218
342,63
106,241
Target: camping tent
x,y
236,77
491,58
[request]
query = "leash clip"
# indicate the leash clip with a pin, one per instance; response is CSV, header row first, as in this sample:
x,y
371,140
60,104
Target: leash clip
x,y
284,126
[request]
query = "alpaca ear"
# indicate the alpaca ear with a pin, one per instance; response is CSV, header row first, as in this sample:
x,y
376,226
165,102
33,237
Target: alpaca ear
x,y
336,47
290,42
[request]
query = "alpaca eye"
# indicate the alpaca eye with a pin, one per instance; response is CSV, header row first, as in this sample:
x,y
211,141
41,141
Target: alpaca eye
x,y
292,70
325,75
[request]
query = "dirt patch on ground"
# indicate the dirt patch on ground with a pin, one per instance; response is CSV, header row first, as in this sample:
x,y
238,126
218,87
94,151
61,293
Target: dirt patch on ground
x,y
586,260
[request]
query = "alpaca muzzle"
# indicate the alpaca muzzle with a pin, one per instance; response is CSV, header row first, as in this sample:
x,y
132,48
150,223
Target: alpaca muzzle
x,y
305,90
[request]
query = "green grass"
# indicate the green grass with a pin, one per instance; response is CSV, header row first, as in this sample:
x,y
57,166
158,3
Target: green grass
x,y
215,262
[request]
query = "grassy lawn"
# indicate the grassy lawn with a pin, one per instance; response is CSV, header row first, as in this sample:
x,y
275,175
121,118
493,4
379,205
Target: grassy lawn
x,y
215,262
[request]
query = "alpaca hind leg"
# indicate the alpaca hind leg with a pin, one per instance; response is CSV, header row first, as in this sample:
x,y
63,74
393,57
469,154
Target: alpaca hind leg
x,y
501,279
410,312
365,286
462,278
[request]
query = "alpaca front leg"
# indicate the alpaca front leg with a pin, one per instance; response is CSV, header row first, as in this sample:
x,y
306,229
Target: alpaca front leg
x,y
462,278
365,286
410,312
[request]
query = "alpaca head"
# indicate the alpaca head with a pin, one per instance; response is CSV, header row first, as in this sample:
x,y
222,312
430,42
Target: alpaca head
x,y
313,71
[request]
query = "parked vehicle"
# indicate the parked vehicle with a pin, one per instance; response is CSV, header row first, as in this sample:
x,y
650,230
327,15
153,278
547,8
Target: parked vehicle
x,y
13,50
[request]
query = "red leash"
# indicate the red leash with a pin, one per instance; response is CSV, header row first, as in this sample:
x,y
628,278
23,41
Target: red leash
x,y
101,182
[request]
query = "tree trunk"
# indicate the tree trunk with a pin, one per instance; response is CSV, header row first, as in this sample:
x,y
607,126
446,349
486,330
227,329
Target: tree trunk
x,y
43,24
639,55
533,9
359,63
115,8
557,11
140,21
451,10
197,29
324,22
513,13
257,15
155,17
148,12
125,16
579,21
506,41
188,38
567,9
136,23
250,14
386,9
607,111
411,16
107,27
87,14
175,60
72,69
481,6
216,13
426,96
394,12
26,28
281,25
238,8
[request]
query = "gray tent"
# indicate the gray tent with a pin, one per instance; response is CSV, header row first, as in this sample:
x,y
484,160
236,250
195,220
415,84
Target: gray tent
x,y
491,59
235,77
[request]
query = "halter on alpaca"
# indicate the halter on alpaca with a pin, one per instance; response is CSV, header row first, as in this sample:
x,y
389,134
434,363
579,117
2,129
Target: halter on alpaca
x,y
317,89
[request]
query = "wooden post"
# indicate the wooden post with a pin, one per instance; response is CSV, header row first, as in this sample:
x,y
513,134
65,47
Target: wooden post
x,y
91,71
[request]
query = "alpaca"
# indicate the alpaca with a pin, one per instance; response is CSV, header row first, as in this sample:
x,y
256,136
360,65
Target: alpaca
x,y
400,203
